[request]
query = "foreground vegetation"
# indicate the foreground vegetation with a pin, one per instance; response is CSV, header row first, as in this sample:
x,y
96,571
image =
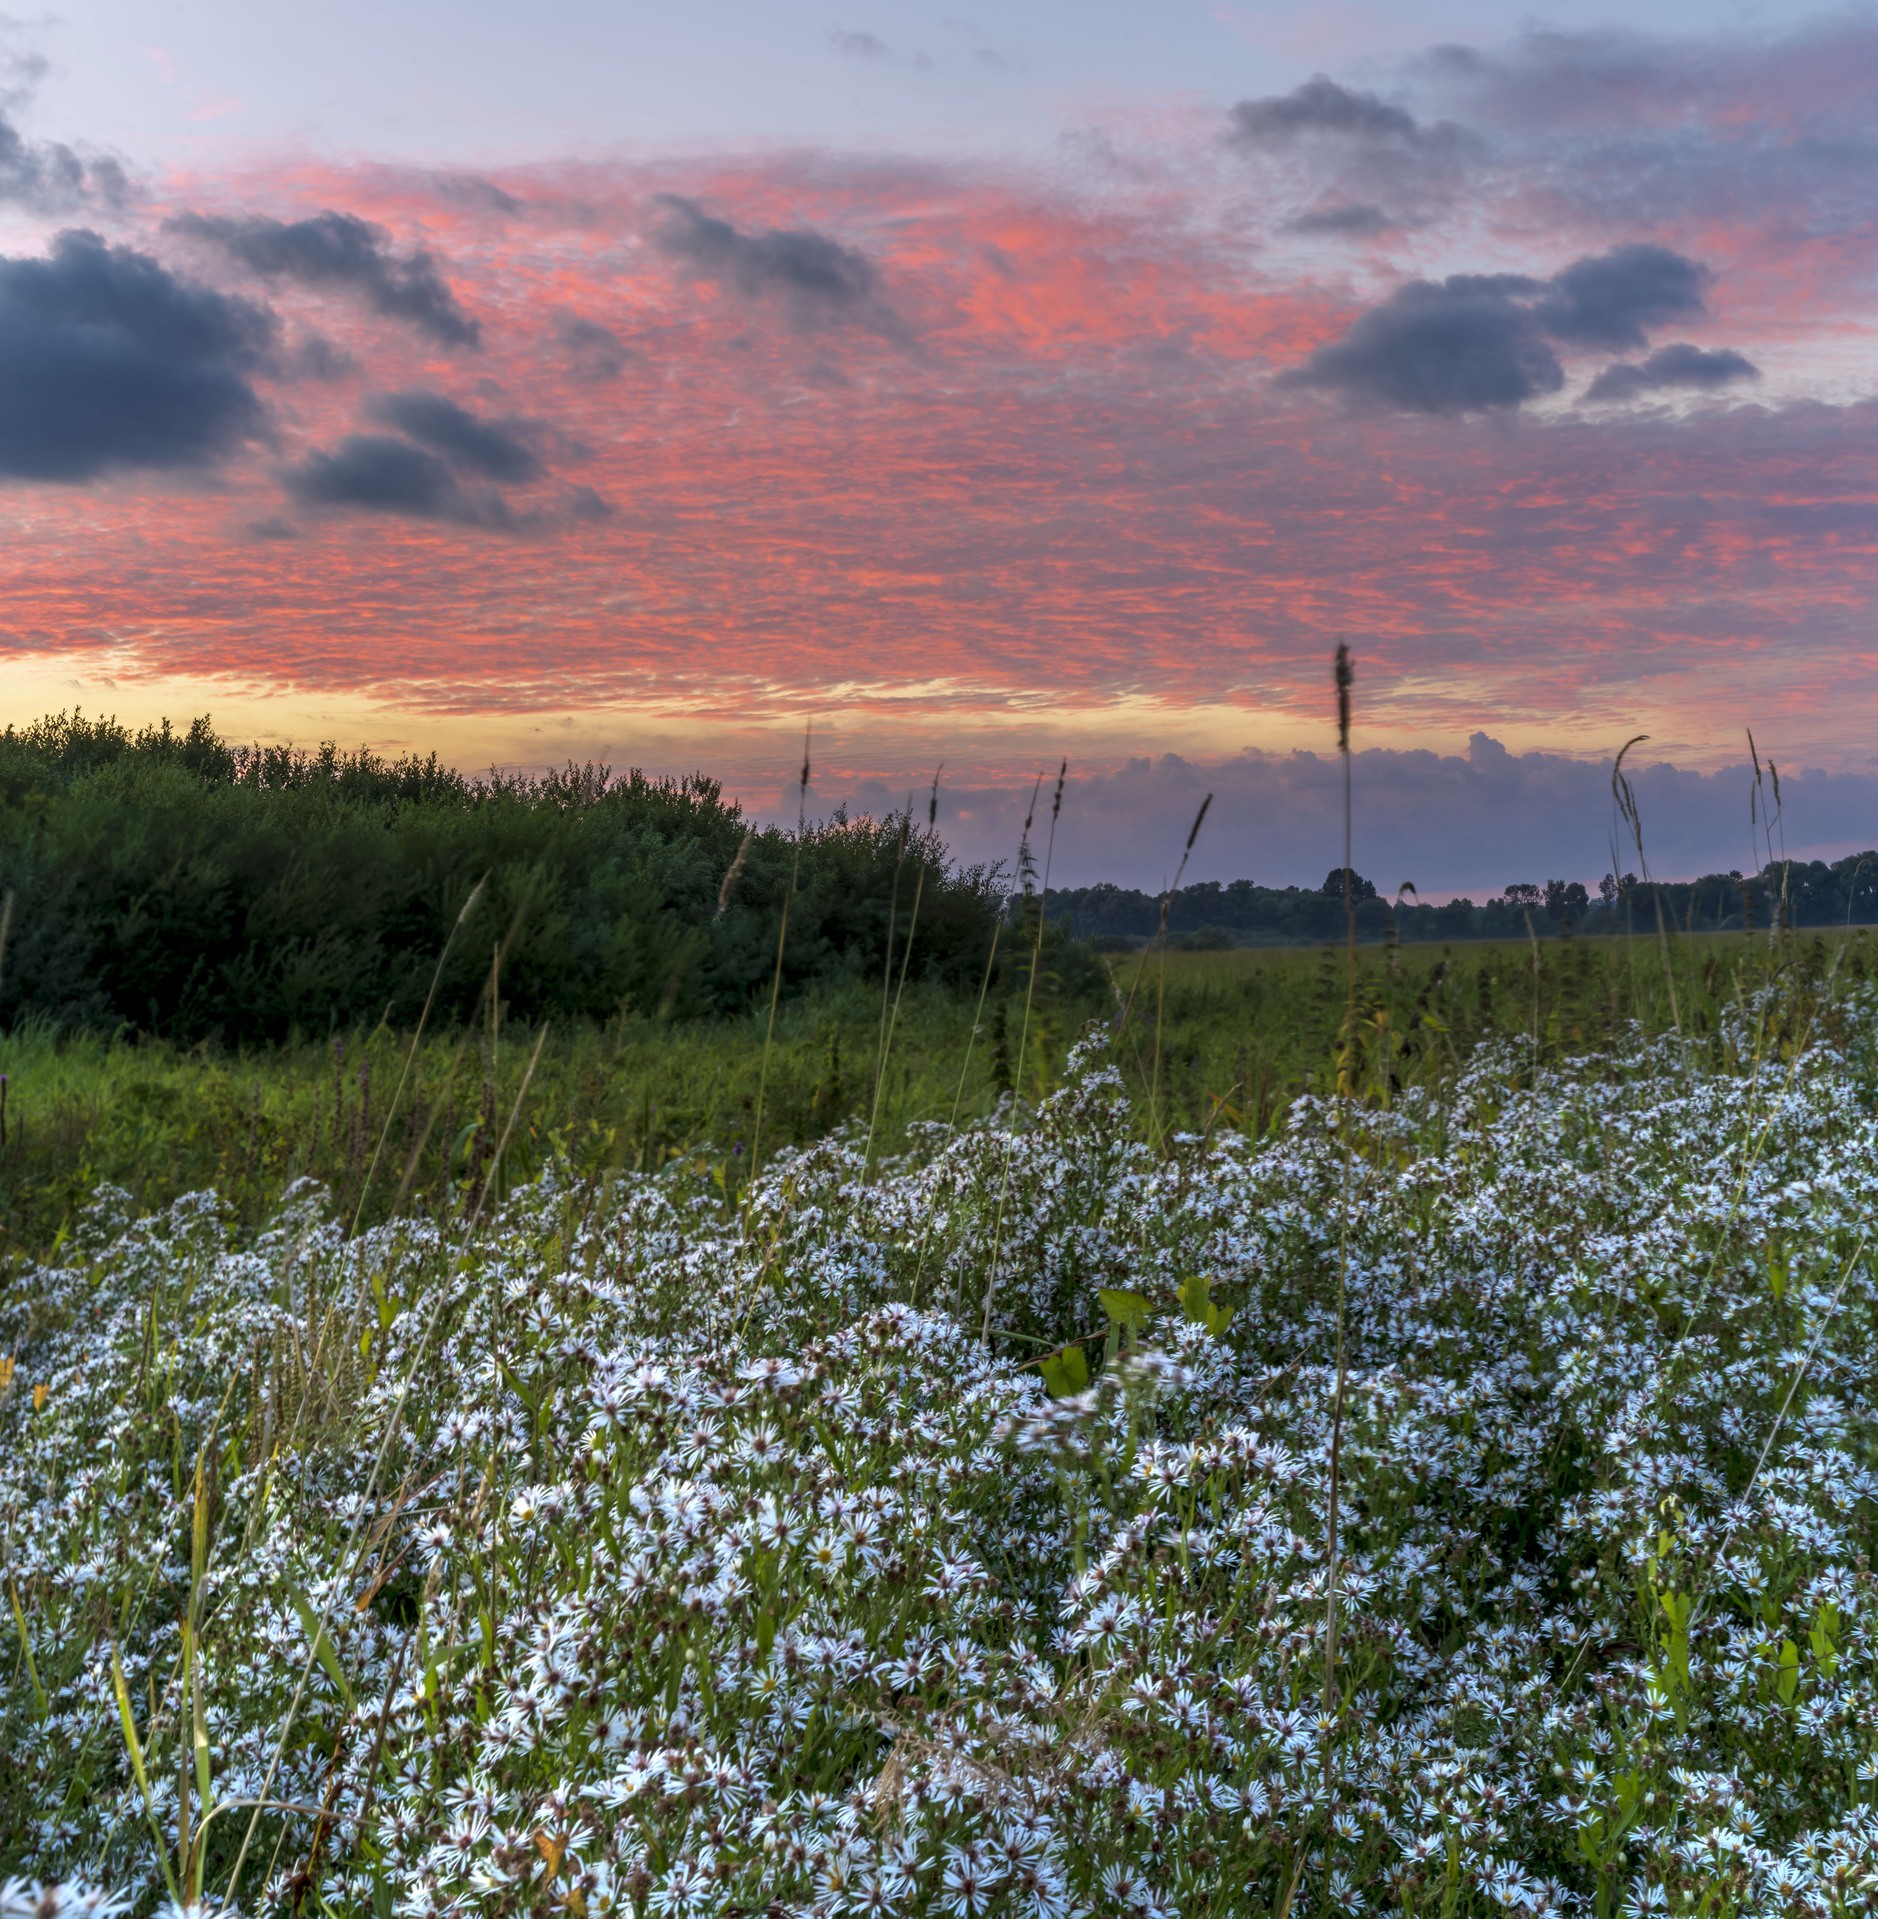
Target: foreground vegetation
x,y
1462,1498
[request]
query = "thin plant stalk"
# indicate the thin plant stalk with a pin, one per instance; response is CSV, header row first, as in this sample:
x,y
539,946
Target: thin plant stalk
x,y
886,972
906,960
1344,679
393,1425
1160,993
775,985
978,1014
1625,799
410,1052
1167,900
1023,1053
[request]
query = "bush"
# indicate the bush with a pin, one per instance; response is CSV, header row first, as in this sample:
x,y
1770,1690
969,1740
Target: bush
x,y
176,885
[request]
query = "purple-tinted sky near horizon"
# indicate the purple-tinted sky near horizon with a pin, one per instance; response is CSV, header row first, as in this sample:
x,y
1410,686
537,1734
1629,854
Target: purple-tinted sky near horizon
x,y
983,394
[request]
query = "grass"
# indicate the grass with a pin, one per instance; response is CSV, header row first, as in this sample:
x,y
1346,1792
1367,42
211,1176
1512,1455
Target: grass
x,y
1212,1041
1243,1032
160,1121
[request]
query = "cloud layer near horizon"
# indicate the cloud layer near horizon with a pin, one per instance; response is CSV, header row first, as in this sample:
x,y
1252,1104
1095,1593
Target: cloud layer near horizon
x,y
1447,823
1540,372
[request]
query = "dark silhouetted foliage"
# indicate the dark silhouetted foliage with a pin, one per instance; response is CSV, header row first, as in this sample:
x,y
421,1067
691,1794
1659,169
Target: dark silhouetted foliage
x,y
1784,893
172,883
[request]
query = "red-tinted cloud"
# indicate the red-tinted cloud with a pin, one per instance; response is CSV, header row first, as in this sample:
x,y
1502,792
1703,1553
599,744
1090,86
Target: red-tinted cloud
x,y
989,446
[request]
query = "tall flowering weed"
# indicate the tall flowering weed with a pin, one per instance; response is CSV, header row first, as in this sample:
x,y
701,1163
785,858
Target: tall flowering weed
x,y
633,1553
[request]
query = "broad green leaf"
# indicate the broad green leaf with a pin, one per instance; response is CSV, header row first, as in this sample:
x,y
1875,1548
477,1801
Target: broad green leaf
x,y
1196,1301
1127,1310
1066,1374
1824,1638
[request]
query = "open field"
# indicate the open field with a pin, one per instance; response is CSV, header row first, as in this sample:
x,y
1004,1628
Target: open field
x,y
1255,1026
1241,1034
1460,1500
161,1120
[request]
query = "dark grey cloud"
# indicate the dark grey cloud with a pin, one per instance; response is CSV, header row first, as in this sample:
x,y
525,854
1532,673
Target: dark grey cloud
x,y
1609,299
1353,220
340,250
47,176
1320,107
1576,79
597,352
492,449
819,281
1478,342
109,361
1677,366
858,45
377,473
585,503
314,357
472,190
1459,345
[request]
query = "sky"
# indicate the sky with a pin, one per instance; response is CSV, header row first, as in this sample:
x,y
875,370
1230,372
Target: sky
x,y
649,384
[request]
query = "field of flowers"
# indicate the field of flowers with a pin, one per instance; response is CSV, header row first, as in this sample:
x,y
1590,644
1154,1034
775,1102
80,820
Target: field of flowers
x,y
953,1536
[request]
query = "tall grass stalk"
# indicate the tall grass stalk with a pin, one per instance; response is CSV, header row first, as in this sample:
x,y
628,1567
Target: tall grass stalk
x,y
906,960
1023,1054
1155,1127
393,1427
1345,677
410,1052
886,963
775,987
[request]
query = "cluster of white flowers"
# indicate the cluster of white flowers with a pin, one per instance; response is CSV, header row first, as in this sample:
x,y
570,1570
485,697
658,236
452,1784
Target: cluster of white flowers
x,y
635,1553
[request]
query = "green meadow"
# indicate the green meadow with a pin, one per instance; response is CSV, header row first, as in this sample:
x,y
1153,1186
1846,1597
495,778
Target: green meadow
x,y
1204,1040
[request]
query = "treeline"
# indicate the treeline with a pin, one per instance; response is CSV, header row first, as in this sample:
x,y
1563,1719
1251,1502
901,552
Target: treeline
x,y
175,884
1784,893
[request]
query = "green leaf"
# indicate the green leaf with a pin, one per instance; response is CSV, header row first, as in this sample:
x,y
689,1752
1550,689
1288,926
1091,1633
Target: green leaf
x,y
1196,1301
1824,1638
1127,1310
322,1644
1787,1677
1066,1374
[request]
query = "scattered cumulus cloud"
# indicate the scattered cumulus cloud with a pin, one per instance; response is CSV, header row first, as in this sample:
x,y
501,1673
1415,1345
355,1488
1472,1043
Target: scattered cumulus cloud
x,y
1321,107
439,462
1479,342
858,45
819,281
595,351
110,362
1352,220
1459,345
377,473
494,449
47,176
342,251
1609,299
1671,367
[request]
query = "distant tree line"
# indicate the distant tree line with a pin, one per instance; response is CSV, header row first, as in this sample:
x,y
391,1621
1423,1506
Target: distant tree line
x,y
1789,893
177,884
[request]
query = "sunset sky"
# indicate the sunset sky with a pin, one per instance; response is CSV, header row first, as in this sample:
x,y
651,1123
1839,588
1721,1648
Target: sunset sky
x,y
642,383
